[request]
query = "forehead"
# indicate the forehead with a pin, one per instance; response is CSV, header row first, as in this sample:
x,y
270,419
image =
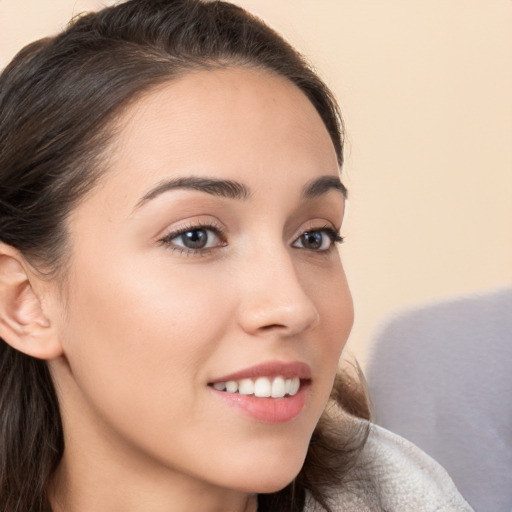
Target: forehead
x,y
234,123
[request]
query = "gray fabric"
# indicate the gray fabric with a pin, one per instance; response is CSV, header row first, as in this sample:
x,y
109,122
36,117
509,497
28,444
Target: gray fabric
x,y
442,378
393,475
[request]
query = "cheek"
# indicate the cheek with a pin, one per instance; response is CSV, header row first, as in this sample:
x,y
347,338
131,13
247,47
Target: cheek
x,y
329,291
139,339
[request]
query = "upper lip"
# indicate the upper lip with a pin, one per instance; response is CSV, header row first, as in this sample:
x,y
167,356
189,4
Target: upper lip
x,y
287,370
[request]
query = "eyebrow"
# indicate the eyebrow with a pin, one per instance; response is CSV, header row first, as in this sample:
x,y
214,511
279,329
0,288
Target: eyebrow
x,y
221,188
320,186
235,190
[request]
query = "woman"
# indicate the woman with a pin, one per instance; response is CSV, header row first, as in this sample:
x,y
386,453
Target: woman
x,y
173,306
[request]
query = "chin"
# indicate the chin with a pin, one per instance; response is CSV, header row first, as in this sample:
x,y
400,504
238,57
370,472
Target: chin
x,y
271,486
270,473
269,483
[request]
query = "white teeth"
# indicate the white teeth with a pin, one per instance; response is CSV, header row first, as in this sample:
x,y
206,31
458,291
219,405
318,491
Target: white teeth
x,y
294,386
231,386
278,388
246,387
262,387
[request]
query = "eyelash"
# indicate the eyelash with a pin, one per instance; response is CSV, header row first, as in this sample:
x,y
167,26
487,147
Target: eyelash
x,y
167,240
333,235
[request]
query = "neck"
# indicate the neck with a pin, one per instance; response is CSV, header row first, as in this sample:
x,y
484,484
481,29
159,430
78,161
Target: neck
x,y
79,486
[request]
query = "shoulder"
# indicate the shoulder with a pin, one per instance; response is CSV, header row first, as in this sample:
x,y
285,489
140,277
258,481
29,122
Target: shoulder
x,y
393,475
404,476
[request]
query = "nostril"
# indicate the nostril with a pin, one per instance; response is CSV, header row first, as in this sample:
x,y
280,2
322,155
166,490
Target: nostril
x,y
272,326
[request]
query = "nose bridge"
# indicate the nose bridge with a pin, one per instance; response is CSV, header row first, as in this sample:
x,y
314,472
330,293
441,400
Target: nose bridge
x,y
274,297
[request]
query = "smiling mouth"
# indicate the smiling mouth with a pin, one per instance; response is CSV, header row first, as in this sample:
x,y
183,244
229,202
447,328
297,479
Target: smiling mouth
x,y
262,387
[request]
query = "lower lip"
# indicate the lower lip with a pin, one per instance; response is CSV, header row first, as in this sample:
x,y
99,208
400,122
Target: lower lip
x,y
266,410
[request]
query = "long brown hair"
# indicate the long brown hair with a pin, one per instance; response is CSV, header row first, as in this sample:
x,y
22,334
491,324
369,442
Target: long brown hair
x,y
59,99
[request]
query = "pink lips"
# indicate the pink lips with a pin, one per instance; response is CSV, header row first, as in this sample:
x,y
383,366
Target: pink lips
x,y
270,369
268,410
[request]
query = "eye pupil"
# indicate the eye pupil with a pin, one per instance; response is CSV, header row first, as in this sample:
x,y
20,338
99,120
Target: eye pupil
x,y
312,240
195,238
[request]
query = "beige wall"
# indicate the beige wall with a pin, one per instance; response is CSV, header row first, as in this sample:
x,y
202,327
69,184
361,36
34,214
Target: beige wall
x,y
426,91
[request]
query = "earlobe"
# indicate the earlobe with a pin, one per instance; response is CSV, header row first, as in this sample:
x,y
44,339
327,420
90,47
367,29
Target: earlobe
x,y
23,323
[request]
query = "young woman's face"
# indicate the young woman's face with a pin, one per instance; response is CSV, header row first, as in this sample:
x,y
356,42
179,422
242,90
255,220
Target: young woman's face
x,y
204,269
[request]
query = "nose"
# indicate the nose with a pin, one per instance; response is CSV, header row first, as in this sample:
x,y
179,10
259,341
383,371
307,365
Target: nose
x,y
274,299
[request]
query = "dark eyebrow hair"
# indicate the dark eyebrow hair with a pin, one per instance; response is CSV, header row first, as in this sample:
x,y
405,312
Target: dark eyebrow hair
x,y
235,190
213,186
322,185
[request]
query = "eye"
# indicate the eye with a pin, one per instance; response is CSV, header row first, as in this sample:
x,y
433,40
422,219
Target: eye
x,y
318,240
194,238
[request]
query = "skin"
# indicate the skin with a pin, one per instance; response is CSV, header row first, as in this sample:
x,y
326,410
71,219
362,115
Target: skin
x,y
146,325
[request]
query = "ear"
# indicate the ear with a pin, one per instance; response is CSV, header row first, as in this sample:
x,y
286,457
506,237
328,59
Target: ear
x,y
23,323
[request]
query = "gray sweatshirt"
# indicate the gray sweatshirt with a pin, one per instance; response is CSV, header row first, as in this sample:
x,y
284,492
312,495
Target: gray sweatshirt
x,y
393,475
